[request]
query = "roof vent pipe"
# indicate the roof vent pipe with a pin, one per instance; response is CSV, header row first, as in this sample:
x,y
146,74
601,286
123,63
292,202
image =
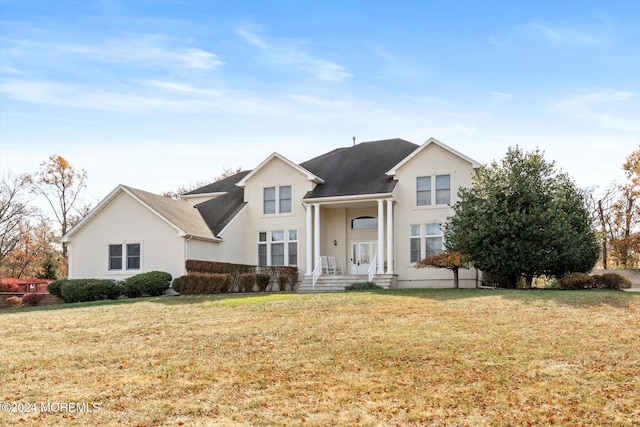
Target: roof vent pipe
x,y
354,141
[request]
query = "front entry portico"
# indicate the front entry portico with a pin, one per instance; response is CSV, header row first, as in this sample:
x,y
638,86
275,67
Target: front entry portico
x,y
351,231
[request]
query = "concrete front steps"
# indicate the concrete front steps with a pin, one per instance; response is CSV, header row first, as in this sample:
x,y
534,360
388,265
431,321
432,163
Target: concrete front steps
x,y
337,282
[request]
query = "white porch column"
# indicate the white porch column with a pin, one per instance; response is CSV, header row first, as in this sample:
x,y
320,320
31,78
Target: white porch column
x,y
316,233
309,238
389,236
380,255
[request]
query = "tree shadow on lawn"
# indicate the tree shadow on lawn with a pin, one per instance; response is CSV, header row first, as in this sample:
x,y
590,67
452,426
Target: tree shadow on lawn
x,y
573,298
224,299
581,298
73,305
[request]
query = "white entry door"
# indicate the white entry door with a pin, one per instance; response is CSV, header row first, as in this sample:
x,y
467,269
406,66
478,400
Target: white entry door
x,y
362,253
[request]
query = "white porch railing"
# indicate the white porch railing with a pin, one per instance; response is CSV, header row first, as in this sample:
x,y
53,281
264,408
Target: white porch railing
x,y
372,268
316,273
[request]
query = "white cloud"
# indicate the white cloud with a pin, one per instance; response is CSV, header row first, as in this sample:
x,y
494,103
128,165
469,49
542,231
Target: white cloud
x,y
144,50
252,38
608,108
566,36
292,54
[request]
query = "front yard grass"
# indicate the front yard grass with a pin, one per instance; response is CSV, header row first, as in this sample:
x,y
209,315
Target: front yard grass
x,y
432,357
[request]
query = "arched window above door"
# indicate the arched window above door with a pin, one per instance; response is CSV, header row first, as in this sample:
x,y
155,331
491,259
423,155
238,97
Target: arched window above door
x,y
364,222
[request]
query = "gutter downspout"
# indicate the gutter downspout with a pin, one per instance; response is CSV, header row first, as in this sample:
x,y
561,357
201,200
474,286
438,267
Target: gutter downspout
x,y
186,254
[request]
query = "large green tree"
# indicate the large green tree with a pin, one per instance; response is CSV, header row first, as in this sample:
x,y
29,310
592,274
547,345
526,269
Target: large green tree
x,y
521,217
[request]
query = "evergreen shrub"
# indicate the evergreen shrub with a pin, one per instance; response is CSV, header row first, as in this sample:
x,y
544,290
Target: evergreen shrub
x,y
176,284
153,283
79,290
362,286
54,287
263,281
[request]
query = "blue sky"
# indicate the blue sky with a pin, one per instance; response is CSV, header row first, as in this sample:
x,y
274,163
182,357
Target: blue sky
x,y
160,94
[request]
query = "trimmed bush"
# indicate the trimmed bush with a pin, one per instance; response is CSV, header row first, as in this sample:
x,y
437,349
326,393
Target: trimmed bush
x,y
153,283
176,284
205,283
79,290
32,299
212,267
9,287
362,286
285,276
611,281
263,281
54,287
14,301
576,281
247,282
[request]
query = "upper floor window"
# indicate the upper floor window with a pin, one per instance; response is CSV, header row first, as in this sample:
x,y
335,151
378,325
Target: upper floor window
x,y
285,199
443,189
277,199
425,190
423,193
270,200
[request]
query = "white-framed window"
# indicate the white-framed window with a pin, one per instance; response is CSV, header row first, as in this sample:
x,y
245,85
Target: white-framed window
x,y
432,239
115,257
277,200
262,248
443,189
423,191
293,247
364,222
278,247
433,190
269,206
414,240
284,194
424,241
117,260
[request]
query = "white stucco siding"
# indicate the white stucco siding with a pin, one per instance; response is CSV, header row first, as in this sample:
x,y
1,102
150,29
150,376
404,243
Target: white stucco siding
x,y
276,173
335,229
432,161
232,249
124,221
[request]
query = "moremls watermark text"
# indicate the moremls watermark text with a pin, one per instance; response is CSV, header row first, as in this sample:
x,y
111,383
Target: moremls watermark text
x,y
51,407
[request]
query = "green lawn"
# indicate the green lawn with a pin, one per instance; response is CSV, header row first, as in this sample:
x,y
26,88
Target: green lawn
x,y
434,357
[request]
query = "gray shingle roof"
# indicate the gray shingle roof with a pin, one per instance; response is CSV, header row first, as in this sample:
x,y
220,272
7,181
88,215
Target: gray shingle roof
x,y
180,213
219,211
359,169
348,171
223,186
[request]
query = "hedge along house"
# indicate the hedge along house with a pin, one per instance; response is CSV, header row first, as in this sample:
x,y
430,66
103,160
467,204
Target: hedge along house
x,y
376,208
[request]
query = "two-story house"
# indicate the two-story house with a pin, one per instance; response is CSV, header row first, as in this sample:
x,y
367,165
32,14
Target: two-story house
x,y
376,208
